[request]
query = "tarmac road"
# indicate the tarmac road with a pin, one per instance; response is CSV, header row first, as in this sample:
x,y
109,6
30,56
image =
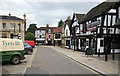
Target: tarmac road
x,y
49,61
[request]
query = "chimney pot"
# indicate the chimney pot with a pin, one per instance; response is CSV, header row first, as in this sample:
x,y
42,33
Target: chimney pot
x,y
47,25
9,14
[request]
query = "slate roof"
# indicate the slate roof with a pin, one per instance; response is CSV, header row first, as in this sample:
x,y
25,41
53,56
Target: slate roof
x,y
99,9
10,18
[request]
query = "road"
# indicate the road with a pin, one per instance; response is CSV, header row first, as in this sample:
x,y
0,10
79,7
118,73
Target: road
x,y
48,61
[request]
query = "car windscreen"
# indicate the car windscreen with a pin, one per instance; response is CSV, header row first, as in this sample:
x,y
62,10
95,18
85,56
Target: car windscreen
x,y
26,44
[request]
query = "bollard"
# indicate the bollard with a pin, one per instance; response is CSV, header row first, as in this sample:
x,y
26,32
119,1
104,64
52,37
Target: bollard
x,y
113,54
98,52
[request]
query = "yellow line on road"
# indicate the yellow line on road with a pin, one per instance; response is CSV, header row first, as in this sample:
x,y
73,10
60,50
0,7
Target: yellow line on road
x,y
82,65
30,64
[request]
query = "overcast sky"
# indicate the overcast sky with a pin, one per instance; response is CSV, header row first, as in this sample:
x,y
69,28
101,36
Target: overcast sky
x,y
44,12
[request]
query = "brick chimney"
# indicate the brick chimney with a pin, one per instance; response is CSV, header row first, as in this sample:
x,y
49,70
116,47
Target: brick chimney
x,y
47,25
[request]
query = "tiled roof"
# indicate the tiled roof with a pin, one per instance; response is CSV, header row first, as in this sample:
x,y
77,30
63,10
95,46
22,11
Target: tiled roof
x,y
53,29
79,17
10,18
57,30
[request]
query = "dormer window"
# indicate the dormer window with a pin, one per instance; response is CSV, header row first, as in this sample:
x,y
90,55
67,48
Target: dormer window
x,y
49,31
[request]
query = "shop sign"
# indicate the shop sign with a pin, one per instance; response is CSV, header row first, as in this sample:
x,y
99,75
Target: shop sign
x,y
93,26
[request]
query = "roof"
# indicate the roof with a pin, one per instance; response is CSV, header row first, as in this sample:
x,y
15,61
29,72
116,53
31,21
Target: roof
x,y
45,28
53,29
57,30
101,8
10,18
79,16
68,22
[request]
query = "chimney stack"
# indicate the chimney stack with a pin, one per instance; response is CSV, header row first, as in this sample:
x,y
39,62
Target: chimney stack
x,y
47,25
68,18
24,16
9,14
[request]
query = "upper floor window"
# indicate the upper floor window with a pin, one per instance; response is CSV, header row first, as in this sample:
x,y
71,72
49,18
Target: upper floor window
x,y
49,36
66,32
4,25
19,27
40,36
11,26
49,31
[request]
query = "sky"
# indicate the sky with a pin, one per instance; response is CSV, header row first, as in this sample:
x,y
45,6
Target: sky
x,y
42,12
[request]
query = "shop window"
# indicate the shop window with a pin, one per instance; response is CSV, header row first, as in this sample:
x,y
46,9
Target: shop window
x,y
4,36
101,43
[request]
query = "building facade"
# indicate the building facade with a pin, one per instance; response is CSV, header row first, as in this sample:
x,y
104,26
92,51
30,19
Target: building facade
x,y
98,28
12,27
48,35
67,32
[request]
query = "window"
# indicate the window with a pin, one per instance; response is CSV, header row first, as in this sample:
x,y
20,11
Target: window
x,y
4,36
66,32
4,25
40,36
49,31
11,26
67,42
19,27
11,36
57,36
101,43
49,36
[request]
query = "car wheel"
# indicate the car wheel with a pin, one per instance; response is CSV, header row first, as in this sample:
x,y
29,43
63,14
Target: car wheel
x,y
29,52
15,60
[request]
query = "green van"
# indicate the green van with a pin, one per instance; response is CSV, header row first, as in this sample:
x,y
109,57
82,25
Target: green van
x,y
11,50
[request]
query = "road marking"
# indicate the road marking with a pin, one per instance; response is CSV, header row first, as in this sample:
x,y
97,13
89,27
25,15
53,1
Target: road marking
x,y
76,61
33,56
29,62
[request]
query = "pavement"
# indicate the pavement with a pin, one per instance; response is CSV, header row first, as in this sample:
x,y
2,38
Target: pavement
x,y
95,63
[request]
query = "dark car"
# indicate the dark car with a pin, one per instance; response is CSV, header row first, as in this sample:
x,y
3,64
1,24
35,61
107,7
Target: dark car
x,y
27,48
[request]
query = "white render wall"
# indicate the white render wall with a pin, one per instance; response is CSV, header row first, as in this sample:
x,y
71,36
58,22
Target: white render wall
x,y
67,28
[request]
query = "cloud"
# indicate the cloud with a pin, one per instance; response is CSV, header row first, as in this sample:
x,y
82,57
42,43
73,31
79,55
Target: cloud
x,y
43,13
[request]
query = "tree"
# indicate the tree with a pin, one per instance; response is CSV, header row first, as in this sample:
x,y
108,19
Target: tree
x,y
32,28
29,36
60,23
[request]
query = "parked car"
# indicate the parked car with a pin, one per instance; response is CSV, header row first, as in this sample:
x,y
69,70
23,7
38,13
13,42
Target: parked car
x,y
12,50
31,43
27,48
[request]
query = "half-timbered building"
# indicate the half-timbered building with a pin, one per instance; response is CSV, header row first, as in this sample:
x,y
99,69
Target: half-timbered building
x,y
98,28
